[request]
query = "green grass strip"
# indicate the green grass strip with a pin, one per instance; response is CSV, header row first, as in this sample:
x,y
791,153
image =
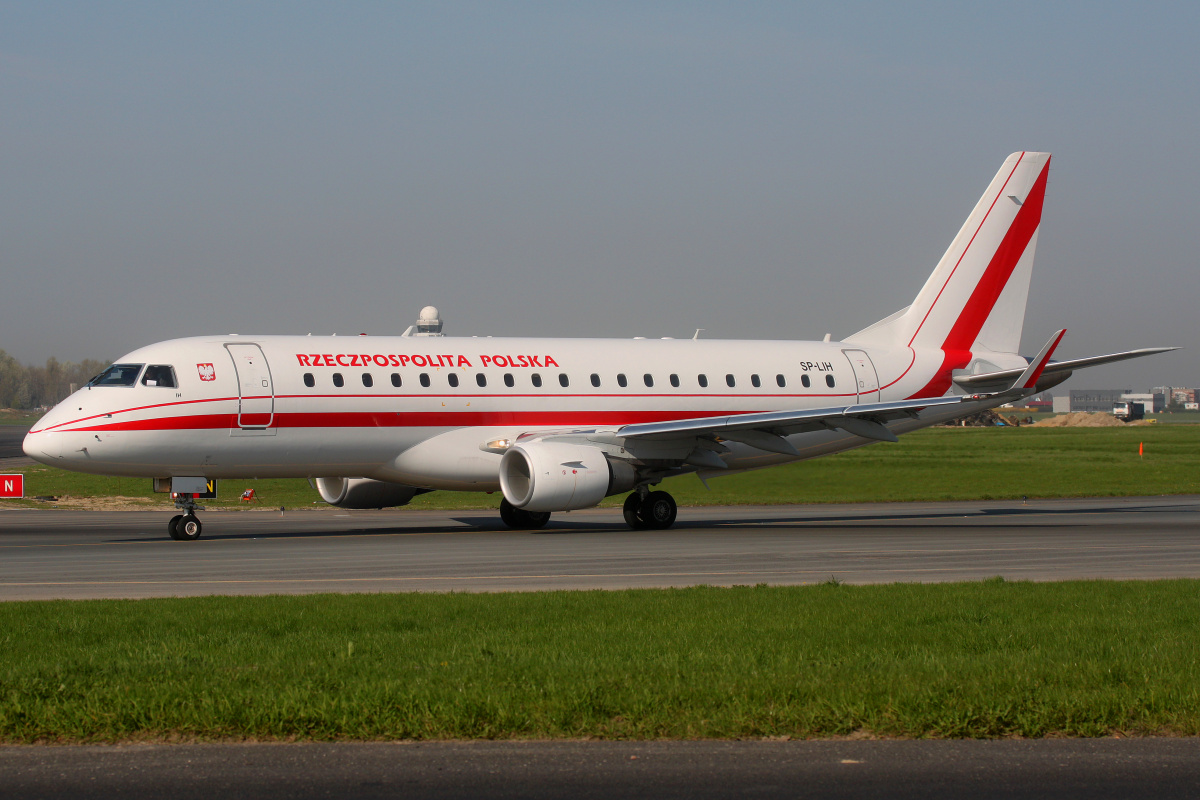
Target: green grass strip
x,y
928,465
990,659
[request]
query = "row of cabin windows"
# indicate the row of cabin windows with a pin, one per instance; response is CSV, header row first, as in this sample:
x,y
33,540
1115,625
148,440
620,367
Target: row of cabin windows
x,y
563,380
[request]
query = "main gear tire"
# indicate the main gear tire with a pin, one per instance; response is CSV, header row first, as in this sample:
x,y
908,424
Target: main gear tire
x,y
508,514
658,511
520,519
632,511
535,519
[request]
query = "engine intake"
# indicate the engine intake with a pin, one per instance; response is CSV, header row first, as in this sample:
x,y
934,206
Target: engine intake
x,y
365,493
557,476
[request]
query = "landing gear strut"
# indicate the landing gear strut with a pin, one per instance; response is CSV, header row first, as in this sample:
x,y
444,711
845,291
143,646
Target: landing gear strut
x,y
654,511
185,527
520,519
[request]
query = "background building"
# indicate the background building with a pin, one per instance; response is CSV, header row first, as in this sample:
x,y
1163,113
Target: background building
x,y
1103,399
1096,399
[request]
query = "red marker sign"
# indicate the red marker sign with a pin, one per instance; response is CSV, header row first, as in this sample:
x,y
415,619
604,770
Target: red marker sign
x,y
12,485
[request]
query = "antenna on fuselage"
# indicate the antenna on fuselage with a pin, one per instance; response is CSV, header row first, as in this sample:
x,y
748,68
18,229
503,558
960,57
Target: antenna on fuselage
x,y
429,323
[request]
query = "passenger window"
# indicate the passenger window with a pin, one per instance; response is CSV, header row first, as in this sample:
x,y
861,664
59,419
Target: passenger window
x,y
396,379
368,381
755,382
675,381
829,381
595,380
805,381
508,380
537,380
702,380
338,380
425,379
648,378
481,379
309,380
780,380
452,379
621,380
562,380
729,381
159,375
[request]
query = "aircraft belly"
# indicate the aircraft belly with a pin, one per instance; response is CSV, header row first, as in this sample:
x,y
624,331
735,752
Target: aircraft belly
x,y
451,460
296,452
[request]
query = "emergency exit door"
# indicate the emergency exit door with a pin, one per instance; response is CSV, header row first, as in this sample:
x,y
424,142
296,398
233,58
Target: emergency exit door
x,y
256,394
865,377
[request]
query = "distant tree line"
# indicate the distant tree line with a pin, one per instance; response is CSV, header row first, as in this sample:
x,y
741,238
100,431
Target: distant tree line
x,y
24,386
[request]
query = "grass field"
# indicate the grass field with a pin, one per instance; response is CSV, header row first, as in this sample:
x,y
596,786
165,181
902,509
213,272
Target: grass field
x,y
934,464
990,659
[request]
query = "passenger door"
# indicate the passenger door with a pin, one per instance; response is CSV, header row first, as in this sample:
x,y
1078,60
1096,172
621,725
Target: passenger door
x,y
256,394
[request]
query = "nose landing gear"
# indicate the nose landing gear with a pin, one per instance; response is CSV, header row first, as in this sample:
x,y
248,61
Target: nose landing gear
x,y
185,527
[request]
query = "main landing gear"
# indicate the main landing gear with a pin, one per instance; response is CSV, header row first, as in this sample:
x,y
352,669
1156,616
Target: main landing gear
x,y
520,519
650,511
185,527
643,511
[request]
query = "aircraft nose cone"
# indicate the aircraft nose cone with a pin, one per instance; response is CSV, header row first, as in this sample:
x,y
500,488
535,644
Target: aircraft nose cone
x,y
43,446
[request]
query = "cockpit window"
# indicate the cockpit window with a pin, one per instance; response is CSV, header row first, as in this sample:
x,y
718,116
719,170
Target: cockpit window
x,y
117,375
159,375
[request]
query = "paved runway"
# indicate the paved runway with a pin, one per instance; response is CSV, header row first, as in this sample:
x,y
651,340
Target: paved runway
x,y
76,554
11,437
1073,768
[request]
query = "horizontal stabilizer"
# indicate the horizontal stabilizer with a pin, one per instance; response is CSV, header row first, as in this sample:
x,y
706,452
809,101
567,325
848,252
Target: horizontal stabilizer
x,y
1053,373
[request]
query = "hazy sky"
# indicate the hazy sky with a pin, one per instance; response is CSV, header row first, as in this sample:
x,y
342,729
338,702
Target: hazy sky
x,y
753,169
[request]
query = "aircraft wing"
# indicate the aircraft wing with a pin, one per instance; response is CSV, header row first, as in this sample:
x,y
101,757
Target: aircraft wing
x,y
1052,374
766,430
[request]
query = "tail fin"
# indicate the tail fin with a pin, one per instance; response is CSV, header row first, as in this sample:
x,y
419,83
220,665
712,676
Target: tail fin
x,y
975,298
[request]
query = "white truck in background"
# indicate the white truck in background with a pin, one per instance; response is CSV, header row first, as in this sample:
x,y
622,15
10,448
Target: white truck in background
x,y
1128,411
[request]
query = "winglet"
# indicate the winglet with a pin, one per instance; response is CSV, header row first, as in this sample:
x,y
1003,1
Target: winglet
x,y
1029,377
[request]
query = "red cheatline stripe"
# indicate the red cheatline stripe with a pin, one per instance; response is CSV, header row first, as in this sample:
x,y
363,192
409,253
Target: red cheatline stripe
x,y
436,419
135,408
763,395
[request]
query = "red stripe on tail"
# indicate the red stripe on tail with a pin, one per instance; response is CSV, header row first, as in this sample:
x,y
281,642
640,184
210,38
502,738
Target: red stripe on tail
x,y
983,299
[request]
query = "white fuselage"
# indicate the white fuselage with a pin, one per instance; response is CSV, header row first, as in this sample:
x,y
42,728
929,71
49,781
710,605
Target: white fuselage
x,y
418,410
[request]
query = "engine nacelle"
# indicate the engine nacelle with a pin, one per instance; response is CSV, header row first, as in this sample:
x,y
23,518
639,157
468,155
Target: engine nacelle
x,y
556,476
364,493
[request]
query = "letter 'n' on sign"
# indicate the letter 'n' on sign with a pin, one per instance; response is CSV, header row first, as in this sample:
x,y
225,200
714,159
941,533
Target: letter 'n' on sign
x,y
12,485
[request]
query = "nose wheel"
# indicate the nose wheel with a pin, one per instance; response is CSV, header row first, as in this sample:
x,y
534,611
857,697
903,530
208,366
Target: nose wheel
x,y
655,511
185,527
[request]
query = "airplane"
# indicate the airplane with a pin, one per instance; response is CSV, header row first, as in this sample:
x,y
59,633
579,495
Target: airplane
x,y
560,424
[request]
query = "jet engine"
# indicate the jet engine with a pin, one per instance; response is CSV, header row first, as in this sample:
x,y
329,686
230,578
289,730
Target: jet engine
x,y
557,476
364,493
